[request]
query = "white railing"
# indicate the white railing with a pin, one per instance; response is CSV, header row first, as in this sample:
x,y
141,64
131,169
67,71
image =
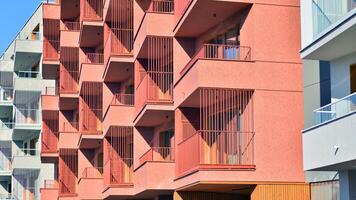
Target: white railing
x,y
6,125
26,152
5,164
336,109
7,196
28,74
327,12
27,116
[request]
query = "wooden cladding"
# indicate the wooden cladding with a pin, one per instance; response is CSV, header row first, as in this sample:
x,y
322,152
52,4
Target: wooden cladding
x,y
91,107
281,192
68,171
92,10
69,69
51,33
50,131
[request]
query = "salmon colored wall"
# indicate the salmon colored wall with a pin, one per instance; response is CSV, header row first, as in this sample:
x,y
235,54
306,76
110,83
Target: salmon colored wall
x,y
50,102
69,38
51,11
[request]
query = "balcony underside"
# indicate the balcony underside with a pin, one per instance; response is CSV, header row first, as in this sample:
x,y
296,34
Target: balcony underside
x,y
334,42
118,68
203,15
152,115
91,34
90,141
330,146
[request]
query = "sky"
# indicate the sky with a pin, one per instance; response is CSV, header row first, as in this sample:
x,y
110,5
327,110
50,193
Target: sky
x,y
13,15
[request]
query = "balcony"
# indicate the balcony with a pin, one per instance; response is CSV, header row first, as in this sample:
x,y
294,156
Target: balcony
x,y
50,135
158,154
28,42
69,71
27,119
6,129
51,51
7,196
50,189
68,135
333,25
6,96
91,176
28,81
70,33
334,125
206,150
194,17
120,103
5,166
50,99
92,68
26,159
158,6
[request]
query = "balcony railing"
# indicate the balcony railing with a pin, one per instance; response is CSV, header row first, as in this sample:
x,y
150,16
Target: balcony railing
x,y
95,58
216,148
30,36
336,109
92,172
28,74
327,12
123,100
219,52
118,171
92,9
50,184
71,26
26,152
119,42
51,91
69,127
6,94
159,6
160,154
69,82
67,185
27,116
7,196
6,125
49,142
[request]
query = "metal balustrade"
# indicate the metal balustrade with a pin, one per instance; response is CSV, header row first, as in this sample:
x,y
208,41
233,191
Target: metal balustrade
x,y
161,6
123,100
335,110
161,154
92,172
51,91
71,26
219,52
95,58
69,127
92,9
118,171
216,148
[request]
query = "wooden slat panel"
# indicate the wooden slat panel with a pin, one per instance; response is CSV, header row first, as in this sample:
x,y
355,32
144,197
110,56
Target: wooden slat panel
x,y
281,192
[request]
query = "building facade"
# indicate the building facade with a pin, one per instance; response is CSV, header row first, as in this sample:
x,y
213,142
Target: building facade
x,y
329,57
163,99
21,86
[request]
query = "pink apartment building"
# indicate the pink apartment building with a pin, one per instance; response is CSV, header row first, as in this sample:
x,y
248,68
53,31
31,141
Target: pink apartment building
x,y
173,99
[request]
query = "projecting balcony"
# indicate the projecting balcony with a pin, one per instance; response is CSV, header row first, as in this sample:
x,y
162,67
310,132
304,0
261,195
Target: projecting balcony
x,y
215,150
6,96
118,53
50,189
29,119
70,33
50,99
213,63
120,103
91,68
26,159
91,176
334,23
28,81
5,166
328,145
194,17
51,52
68,135
28,43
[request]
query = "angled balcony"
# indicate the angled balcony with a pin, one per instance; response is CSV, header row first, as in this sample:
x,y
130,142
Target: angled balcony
x,y
70,34
69,72
334,126
50,136
68,173
28,44
27,118
90,176
51,41
26,159
91,68
50,189
50,99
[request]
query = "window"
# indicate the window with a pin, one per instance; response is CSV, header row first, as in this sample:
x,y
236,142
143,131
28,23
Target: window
x,y
353,78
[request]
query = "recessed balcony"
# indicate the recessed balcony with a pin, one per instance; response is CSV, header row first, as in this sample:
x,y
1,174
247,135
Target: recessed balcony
x,y
50,99
26,159
6,96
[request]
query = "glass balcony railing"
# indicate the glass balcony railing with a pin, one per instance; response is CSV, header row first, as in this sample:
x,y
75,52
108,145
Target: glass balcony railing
x,y
336,109
327,12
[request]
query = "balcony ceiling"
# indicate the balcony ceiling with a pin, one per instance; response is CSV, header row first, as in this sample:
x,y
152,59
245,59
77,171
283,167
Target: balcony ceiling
x,y
205,15
91,35
70,9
